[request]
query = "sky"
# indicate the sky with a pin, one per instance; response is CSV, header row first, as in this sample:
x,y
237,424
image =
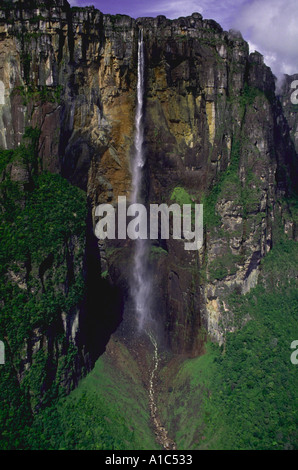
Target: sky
x,y
269,26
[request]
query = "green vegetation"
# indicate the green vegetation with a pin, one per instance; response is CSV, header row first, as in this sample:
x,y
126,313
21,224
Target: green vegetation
x,y
35,227
249,94
223,266
156,252
225,180
108,411
228,186
209,200
39,234
181,38
291,204
210,40
42,230
42,226
36,19
246,393
242,396
181,196
43,94
26,63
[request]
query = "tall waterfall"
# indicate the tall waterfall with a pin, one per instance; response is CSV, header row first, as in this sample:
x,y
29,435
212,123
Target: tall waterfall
x,y
139,157
141,283
141,280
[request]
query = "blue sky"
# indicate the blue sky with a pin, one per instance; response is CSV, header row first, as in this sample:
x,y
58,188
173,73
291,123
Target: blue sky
x,y
269,26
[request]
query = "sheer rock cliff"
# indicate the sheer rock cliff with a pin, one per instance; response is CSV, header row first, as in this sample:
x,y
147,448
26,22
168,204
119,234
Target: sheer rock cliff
x,y
215,133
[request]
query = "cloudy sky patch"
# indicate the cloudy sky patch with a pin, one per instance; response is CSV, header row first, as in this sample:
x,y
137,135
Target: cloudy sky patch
x,y
272,27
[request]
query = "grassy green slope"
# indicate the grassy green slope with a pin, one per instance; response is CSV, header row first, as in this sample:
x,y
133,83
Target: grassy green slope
x,y
108,410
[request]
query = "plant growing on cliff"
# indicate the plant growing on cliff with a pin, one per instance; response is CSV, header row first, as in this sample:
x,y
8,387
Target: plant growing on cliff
x,y
41,94
223,266
42,230
224,180
181,196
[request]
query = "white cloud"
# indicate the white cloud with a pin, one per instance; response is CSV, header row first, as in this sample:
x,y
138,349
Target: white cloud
x,y
272,27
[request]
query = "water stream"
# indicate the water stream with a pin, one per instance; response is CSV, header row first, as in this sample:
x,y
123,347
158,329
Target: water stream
x,y
160,431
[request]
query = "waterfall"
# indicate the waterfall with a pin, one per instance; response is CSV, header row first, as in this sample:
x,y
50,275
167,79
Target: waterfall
x,y
141,282
139,157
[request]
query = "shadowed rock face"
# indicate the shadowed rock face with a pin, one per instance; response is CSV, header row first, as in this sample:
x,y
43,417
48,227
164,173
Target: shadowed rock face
x,y
213,128
289,108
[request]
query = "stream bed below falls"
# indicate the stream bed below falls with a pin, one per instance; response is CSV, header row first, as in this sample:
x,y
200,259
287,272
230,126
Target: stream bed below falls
x,y
160,431
150,360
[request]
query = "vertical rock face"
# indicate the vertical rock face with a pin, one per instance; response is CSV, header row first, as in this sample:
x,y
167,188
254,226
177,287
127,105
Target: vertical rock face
x,y
72,72
215,130
214,134
288,97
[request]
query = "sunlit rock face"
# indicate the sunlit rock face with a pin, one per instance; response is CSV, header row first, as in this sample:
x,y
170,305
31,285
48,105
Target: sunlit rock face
x,y
213,129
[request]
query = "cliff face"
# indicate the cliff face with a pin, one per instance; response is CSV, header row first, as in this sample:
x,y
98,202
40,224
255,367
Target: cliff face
x,y
214,134
49,320
212,131
289,108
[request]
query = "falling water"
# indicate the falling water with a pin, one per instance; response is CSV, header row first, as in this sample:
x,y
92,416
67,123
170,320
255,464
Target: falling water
x,y
141,285
139,156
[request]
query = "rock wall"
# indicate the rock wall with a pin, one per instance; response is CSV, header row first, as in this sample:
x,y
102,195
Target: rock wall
x,y
214,132
287,94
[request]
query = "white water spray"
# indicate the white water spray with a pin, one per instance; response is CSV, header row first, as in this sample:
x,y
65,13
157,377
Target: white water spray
x,y
141,285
